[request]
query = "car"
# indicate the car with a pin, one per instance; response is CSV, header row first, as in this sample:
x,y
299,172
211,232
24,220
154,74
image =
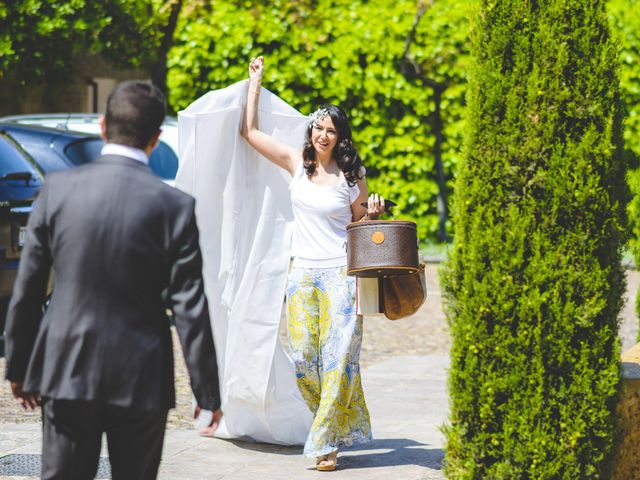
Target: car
x,y
55,149
28,151
89,123
20,180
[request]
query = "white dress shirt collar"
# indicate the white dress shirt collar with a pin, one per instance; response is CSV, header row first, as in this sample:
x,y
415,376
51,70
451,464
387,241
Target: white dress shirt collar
x,y
125,151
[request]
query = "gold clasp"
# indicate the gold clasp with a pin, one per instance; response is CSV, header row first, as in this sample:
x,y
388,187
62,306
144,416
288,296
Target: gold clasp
x,y
377,237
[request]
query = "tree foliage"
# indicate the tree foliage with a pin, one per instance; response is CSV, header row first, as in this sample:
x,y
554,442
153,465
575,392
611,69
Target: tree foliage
x,y
39,39
354,54
398,67
625,25
625,22
533,286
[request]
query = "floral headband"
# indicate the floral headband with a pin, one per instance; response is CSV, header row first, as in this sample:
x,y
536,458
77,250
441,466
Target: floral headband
x,y
317,115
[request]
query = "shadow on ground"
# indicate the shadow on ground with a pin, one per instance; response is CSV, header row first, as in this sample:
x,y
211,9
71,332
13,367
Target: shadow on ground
x,y
399,451
248,444
386,452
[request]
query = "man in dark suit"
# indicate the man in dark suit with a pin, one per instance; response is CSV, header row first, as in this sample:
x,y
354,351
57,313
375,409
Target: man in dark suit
x,y
124,248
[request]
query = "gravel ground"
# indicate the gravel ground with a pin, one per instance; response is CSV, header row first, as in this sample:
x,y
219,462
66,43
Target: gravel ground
x,y
425,333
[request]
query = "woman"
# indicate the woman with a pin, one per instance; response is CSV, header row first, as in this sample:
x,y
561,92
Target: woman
x,y
325,334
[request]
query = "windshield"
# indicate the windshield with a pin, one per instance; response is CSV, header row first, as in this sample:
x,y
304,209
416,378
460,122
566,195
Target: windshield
x,y
84,151
164,162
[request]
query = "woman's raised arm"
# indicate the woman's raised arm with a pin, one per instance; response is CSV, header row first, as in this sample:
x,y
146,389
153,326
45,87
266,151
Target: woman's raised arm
x,y
279,153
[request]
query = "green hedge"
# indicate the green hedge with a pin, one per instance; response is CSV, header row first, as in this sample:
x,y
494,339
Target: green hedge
x,y
534,282
354,54
332,51
407,104
625,22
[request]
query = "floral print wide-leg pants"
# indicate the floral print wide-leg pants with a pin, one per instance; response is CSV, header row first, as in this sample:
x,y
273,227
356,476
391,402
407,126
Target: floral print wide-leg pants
x,y
324,338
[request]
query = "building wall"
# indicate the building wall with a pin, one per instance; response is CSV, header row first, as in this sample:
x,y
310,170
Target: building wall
x,y
85,90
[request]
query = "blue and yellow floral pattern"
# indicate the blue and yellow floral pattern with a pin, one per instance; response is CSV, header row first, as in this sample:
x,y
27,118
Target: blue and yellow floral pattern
x,y
325,335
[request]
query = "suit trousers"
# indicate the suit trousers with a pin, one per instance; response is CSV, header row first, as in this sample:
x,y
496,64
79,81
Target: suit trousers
x,y
72,438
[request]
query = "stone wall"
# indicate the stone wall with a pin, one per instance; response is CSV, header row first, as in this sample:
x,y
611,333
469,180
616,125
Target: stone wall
x,y
627,460
85,90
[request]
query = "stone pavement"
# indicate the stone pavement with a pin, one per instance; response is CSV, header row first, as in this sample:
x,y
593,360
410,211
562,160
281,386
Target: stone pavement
x,y
407,400
404,375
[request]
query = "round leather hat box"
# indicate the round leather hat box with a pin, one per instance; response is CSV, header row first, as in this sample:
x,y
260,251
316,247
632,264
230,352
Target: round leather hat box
x,y
382,248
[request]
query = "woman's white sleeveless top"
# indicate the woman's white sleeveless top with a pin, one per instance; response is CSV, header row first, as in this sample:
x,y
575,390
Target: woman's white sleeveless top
x,y
321,214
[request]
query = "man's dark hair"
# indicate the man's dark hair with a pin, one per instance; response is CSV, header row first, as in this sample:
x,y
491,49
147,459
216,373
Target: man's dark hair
x,y
135,110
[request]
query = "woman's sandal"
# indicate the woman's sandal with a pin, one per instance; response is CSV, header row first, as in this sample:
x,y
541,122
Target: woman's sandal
x,y
328,462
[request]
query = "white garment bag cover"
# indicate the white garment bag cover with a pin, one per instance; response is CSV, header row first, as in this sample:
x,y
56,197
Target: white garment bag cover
x,y
245,220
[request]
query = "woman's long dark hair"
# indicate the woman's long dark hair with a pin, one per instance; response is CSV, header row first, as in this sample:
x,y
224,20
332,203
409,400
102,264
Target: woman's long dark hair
x,y
344,152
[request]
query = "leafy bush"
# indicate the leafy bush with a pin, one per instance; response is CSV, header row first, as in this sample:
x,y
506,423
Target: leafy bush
x,y
625,21
533,284
400,80
406,103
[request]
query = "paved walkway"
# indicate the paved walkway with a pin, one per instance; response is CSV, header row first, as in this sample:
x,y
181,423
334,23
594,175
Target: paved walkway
x,y
407,400
404,375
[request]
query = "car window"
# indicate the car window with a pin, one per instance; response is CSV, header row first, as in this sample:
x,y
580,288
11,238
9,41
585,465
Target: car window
x,y
12,161
163,161
84,151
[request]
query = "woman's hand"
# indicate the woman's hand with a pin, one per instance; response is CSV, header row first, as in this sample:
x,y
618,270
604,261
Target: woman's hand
x,y
375,206
211,425
256,68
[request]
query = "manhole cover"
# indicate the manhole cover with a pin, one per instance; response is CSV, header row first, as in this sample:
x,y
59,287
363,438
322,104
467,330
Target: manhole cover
x,y
28,465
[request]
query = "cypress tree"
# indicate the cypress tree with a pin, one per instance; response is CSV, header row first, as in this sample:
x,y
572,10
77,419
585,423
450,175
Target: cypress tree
x,y
534,282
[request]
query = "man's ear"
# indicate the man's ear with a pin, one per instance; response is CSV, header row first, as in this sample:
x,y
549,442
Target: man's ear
x,y
153,142
103,128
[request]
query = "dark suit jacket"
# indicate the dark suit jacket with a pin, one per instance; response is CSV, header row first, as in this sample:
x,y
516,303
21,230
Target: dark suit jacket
x,y
124,248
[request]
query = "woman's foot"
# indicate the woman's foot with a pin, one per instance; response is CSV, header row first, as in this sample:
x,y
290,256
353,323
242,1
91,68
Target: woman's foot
x,y
328,462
